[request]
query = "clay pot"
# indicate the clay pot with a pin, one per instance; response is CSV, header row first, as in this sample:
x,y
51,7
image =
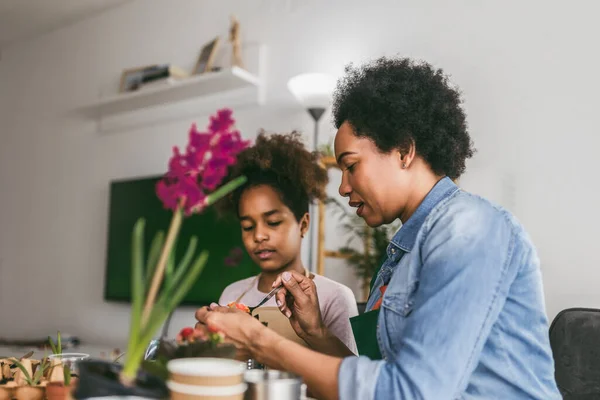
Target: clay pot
x,y
58,391
29,393
6,392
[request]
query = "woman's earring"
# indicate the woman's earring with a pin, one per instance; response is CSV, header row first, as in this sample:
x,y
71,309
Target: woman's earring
x,y
403,165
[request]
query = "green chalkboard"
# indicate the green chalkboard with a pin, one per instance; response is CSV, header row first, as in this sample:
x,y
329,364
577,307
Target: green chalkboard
x,y
132,199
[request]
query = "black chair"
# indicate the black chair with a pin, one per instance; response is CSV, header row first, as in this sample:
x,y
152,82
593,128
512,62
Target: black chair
x,y
575,342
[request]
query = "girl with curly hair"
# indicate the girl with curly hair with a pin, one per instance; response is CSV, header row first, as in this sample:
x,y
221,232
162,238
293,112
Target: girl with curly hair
x,y
273,210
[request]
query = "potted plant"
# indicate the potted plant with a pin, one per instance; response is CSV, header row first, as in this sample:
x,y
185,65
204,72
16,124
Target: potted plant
x,y
27,382
189,343
7,385
55,372
191,184
60,390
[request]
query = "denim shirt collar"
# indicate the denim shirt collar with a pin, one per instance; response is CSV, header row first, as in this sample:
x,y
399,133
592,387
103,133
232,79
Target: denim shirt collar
x,y
405,238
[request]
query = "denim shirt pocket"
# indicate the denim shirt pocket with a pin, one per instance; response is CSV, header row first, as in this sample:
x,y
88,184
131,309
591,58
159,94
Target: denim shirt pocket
x,y
396,307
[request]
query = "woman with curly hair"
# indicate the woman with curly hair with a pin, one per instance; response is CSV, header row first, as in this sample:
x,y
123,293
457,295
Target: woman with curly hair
x,y
456,311
272,207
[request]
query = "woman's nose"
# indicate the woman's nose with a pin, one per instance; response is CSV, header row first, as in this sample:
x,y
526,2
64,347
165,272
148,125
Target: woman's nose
x,y
345,189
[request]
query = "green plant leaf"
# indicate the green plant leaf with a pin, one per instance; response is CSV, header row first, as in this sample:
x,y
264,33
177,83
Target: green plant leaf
x,y
137,284
52,346
170,267
183,266
24,370
135,353
224,190
184,287
38,374
155,248
67,375
59,342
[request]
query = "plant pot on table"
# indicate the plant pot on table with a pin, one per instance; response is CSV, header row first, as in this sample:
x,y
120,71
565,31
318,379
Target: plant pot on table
x,y
58,390
29,393
99,378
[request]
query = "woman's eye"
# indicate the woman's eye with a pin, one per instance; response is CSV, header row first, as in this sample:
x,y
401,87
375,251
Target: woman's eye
x,y
275,223
247,228
351,167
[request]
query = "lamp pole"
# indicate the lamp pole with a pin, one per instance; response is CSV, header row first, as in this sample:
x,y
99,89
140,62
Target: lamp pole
x,y
316,113
313,91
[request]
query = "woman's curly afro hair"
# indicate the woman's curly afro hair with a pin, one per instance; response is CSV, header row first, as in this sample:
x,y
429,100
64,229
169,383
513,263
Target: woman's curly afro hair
x,y
398,102
281,162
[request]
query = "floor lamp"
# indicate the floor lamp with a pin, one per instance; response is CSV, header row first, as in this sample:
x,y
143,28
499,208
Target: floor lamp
x,y
313,92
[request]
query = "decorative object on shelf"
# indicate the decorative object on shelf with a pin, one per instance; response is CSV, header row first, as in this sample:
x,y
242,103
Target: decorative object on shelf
x,y
313,91
375,242
192,183
206,57
134,78
236,43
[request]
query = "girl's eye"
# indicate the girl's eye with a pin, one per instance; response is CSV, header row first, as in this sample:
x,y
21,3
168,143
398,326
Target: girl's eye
x,y
351,167
275,223
247,228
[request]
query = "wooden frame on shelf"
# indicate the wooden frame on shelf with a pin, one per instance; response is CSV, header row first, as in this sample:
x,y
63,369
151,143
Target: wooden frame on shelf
x,y
206,57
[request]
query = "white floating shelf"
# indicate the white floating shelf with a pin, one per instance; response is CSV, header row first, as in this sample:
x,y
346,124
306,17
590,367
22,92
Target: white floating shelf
x,y
197,86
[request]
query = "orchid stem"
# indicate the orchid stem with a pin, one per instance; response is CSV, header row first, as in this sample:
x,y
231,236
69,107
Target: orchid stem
x,y
162,262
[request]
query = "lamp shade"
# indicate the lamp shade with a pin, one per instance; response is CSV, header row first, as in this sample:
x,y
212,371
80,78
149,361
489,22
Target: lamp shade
x,y
312,90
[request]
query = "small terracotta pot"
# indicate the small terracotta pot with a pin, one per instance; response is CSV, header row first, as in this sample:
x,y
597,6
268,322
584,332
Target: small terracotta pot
x,y
58,391
6,393
29,393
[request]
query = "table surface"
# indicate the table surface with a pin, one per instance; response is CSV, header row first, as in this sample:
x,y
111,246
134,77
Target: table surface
x,y
95,351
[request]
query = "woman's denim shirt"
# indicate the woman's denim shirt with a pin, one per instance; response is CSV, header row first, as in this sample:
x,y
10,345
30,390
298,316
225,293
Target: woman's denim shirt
x,y
463,316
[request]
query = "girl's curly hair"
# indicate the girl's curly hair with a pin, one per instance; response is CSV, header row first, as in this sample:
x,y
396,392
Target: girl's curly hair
x,y
282,162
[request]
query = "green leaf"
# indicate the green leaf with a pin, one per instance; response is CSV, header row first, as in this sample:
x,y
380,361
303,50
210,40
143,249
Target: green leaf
x,y
183,266
137,281
155,248
52,346
135,353
24,370
225,190
170,267
184,287
67,375
59,344
38,374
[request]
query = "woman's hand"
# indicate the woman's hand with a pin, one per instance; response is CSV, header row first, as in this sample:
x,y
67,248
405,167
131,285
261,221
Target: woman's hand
x,y
298,301
239,328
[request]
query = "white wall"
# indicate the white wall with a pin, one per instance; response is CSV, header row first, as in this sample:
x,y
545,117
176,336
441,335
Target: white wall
x,y
527,72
